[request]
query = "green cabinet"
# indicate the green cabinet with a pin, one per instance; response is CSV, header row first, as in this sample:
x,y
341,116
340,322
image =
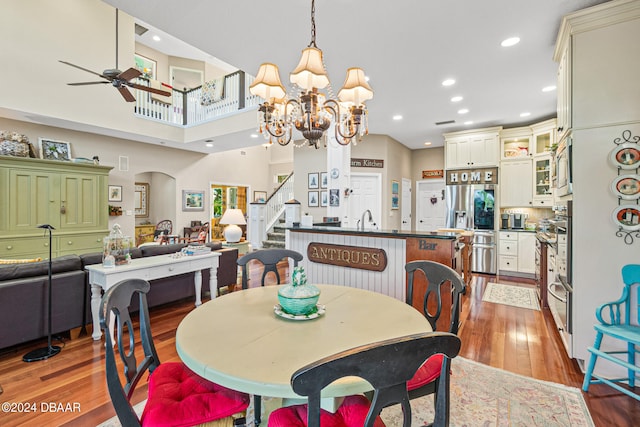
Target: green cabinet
x,y
72,197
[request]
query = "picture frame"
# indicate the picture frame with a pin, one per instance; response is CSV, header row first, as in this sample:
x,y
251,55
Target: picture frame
x,y
192,200
313,199
52,149
395,195
334,197
324,180
141,200
146,66
115,193
259,196
314,180
324,198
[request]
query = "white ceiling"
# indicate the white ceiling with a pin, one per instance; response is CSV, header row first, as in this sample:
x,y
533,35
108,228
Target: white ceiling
x,y
406,47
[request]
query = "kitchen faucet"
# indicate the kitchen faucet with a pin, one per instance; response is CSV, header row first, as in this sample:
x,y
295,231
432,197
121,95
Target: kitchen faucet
x,y
360,224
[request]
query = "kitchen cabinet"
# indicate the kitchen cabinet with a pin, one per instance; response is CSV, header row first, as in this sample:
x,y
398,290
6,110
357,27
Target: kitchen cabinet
x,y
516,253
145,233
543,137
472,149
542,190
72,197
516,183
563,90
515,143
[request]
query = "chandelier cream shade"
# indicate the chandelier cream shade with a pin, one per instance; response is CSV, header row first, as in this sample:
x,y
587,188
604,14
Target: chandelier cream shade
x,y
310,111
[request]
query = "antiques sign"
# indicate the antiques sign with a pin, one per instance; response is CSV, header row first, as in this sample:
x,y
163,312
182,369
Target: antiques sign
x,y
367,163
432,174
472,176
373,259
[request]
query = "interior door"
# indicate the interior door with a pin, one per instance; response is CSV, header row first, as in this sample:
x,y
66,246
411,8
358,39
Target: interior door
x,y
405,212
430,205
366,195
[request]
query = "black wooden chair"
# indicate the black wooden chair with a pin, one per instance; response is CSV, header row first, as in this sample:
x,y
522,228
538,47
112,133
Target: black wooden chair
x,y
386,365
176,396
269,259
440,279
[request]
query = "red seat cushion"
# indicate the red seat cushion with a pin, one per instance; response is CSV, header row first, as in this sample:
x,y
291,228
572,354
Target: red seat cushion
x,y
352,413
179,397
428,372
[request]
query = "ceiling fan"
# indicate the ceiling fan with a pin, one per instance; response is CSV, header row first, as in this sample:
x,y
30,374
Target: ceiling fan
x,y
118,79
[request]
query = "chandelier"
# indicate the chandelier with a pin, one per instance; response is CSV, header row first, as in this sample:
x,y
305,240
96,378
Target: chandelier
x,y
311,111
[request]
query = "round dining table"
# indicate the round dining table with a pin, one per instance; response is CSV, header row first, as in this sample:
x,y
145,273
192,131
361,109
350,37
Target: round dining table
x,y
239,341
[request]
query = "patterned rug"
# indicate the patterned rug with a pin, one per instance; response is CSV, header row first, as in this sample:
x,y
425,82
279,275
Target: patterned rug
x,y
486,396
516,296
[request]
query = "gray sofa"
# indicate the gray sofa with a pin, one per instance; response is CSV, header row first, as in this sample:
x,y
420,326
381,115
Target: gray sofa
x,y
24,296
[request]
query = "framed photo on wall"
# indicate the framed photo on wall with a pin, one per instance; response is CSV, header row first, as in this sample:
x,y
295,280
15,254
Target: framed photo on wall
x,y
324,180
314,180
313,199
334,197
146,66
395,195
324,198
259,196
115,193
51,149
192,200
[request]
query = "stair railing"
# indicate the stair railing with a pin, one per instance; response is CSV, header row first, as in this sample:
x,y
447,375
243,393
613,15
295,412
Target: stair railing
x,y
264,215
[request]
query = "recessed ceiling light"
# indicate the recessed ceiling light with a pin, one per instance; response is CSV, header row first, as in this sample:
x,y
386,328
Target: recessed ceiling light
x,y
469,122
525,114
427,143
549,88
397,117
208,144
156,38
510,41
254,135
448,82
366,78
463,111
457,99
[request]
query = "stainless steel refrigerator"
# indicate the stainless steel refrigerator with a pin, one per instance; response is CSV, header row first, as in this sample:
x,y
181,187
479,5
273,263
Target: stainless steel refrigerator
x,y
472,207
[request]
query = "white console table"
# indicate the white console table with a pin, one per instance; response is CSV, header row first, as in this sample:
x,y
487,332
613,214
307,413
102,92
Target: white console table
x,y
150,268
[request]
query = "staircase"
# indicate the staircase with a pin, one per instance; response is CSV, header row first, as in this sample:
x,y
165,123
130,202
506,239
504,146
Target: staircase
x,y
275,237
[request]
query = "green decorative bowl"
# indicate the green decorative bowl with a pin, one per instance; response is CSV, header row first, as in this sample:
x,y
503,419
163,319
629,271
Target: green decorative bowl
x,y
298,300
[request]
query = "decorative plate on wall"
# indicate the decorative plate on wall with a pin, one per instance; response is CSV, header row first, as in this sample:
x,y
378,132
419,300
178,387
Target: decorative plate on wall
x,y
626,156
626,187
627,217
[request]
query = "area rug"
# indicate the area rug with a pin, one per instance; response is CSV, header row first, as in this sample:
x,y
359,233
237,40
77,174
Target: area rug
x,y
486,396
516,296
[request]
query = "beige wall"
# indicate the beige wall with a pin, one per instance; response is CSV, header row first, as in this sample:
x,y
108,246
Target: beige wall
x,y
192,171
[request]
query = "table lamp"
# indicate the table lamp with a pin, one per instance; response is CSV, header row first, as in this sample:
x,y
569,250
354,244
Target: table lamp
x,y
232,218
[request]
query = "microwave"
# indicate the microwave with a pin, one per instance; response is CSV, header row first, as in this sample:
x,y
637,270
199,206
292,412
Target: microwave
x,y
563,167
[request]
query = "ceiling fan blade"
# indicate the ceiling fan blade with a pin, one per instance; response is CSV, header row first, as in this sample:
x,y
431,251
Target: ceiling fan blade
x,y
149,89
87,83
129,74
83,69
126,94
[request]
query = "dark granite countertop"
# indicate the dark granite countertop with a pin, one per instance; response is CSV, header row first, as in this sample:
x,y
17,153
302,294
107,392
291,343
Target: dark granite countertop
x,y
377,233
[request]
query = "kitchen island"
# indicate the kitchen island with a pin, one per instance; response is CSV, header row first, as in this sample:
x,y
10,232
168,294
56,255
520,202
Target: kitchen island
x,y
371,259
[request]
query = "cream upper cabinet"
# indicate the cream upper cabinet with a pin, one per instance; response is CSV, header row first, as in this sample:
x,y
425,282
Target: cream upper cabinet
x,y
472,149
515,143
563,90
516,184
543,137
542,187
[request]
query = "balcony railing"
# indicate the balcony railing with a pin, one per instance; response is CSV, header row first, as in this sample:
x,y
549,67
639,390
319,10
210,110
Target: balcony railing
x,y
186,107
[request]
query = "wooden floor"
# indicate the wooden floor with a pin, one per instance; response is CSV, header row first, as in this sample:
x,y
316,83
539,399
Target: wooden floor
x,y
518,340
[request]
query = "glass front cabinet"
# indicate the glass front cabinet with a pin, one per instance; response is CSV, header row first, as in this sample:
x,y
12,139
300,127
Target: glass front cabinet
x,y
542,189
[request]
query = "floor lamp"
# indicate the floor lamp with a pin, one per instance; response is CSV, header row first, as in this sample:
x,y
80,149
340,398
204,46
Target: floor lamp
x,y
50,350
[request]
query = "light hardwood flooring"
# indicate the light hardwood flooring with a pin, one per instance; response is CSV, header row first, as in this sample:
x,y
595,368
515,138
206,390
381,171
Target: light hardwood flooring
x,y
518,340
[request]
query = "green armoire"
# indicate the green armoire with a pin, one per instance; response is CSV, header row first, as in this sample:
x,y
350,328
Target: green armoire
x,y
72,197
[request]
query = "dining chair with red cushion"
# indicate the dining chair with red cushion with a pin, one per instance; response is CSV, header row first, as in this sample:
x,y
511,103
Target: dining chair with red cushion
x,y
387,365
440,279
176,395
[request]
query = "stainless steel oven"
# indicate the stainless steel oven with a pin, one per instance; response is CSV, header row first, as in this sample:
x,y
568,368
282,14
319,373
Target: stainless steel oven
x,y
560,290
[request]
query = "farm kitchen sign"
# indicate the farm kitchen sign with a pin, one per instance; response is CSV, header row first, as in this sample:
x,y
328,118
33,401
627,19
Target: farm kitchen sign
x,y
373,259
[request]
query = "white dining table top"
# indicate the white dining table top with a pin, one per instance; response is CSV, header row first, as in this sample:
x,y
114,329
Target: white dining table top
x,y
239,342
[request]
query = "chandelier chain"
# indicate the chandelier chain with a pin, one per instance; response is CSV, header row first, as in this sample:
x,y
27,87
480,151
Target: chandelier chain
x,y
313,24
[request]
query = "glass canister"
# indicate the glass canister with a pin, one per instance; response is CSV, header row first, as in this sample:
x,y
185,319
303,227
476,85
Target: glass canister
x,y
116,248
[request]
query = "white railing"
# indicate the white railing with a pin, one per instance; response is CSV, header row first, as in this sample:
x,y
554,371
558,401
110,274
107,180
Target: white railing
x,y
263,216
186,107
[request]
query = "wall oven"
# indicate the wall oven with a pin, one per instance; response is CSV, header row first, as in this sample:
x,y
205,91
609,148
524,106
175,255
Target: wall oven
x,y
560,289
563,160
